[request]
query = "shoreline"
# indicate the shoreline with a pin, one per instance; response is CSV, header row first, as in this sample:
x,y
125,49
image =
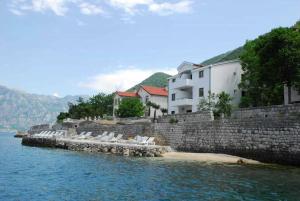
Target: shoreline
x,y
209,158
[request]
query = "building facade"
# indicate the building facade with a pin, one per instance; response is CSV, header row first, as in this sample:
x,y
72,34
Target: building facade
x,y
155,95
194,82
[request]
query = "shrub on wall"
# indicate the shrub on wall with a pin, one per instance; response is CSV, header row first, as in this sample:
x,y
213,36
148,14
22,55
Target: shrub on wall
x,y
173,121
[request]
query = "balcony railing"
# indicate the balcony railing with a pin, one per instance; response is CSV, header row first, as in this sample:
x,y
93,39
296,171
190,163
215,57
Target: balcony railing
x,y
182,102
182,83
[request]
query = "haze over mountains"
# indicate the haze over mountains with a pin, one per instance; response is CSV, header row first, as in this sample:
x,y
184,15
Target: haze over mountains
x,y
20,110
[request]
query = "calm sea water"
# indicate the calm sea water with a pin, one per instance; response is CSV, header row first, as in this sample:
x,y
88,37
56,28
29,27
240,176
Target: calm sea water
x,y
29,173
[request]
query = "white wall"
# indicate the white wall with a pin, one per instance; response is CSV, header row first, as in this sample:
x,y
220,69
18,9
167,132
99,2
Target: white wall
x,y
117,100
295,96
159,100
226,77
202,82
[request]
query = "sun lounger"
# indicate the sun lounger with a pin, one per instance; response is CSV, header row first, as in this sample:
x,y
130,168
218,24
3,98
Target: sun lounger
x,y
115,139
100,136
150,141
86,136
108,137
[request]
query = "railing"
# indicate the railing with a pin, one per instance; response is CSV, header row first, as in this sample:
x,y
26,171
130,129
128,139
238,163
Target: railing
x,y
182,102
182,83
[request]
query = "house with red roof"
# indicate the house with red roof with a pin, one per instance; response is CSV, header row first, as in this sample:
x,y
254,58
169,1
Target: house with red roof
x,y
155,95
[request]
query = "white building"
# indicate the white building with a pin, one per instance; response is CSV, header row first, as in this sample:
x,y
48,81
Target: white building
x,y
193,82
155,95
295,96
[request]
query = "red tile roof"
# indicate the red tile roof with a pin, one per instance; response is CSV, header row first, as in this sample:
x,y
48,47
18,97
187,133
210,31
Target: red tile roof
x,y
127,94
155,90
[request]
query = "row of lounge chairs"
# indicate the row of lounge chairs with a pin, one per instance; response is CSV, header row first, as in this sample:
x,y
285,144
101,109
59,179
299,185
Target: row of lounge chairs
x,y
105,137
50,134
110,137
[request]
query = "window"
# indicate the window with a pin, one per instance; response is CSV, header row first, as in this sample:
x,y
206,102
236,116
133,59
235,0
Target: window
x,y
173,97
234,91
201,74
201,92
173,112
173,80
147,99
234,73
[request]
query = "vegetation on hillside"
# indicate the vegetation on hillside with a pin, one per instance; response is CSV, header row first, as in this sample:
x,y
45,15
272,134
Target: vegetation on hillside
x,y
231,55
156,80
270,62
96,106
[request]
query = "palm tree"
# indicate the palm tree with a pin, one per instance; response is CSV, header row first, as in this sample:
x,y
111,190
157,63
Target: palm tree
x,y
154,105
164,110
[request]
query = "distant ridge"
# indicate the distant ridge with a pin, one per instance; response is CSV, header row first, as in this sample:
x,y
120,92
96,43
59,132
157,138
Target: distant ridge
x,y
20,110
230,55
156,80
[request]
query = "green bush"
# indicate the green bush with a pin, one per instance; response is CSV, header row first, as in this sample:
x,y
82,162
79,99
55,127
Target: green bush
x,y
173,121
130,107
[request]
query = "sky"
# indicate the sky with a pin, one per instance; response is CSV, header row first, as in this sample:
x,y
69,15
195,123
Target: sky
x,y
83,47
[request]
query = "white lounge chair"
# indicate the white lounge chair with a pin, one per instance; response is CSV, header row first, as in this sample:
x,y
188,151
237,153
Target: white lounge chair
x,y
116,139
100,136
150,141
87,135
108,137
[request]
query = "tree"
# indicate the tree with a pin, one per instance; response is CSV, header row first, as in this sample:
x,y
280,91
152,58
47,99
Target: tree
x,y
153,105
62,116
164,111
98,105
223,105
130,107
207,104
270,62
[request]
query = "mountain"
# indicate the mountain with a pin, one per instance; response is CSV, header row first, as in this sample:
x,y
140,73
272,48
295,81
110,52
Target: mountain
x,y
156,80
230,55
20,110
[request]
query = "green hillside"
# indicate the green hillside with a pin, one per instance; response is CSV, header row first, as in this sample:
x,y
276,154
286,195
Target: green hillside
x,y
156,80
233,54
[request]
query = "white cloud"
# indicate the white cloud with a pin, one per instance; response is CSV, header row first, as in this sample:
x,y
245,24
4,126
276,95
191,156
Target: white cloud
x,y
59,7
56,6
121,79
90,9
169,8
87,7
130,6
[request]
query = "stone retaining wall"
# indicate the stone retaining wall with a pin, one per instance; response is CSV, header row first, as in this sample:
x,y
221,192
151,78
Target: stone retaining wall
x,y
93,146
269,134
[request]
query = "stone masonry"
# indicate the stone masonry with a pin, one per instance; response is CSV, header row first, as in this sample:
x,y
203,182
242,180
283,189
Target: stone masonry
x,y
267,134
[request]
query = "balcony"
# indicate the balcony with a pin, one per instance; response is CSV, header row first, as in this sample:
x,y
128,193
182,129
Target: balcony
x,y
182,83
182,102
